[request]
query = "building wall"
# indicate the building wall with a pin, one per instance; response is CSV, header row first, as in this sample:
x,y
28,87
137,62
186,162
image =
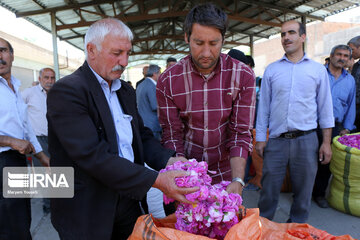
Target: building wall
x,y
30,58
320,38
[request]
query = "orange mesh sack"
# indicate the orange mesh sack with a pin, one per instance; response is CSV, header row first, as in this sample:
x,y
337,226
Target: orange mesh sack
x,y
251,227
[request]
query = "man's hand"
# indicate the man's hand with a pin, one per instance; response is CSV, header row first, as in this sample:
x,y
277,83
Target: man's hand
x,y
325,148
22,146
235,187
325,153
173,160
343,132
166,183
44,160
259,147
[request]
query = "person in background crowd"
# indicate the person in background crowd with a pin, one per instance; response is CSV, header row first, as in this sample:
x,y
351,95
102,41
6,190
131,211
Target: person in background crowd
x,y
343,94
327,61
94,127
349,65
237,54
146,100
145,69
130,83
147,106
16,139
207,100
292,116
35,98
354,44
250,61
170,61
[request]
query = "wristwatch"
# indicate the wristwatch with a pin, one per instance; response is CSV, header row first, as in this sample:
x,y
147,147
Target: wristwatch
x,y
237,179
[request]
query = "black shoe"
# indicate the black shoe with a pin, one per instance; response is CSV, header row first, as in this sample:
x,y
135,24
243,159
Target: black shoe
x,y
321,202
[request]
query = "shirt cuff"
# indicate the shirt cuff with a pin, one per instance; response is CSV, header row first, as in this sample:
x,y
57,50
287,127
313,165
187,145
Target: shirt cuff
x,y
260,137
327,124
180,155
37,147
238,151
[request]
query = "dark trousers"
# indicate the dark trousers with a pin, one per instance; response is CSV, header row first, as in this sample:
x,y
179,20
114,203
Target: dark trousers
x,y
301,155
15,213
127,212
323,174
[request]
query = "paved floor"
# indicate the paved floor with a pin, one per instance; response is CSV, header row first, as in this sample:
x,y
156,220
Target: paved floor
x,y
327,219
330,220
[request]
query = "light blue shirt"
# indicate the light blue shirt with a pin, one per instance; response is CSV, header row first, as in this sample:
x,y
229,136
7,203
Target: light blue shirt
x,y
14,120
122,121
294,96
343,93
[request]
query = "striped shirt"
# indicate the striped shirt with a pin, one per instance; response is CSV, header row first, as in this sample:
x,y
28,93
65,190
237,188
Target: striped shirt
x,y
208,118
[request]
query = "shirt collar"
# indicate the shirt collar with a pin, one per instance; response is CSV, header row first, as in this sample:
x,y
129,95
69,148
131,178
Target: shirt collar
x,y
14,81
344,73
215,70
305,57
116,84
152,80
41,88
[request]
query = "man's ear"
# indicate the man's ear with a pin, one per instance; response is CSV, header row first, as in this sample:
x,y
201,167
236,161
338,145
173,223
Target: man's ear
x,y
91,50
12,57
186,38
303,36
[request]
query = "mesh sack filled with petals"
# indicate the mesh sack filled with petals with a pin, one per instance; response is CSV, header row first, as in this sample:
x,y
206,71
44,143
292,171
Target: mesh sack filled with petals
x,y
215,210
352,140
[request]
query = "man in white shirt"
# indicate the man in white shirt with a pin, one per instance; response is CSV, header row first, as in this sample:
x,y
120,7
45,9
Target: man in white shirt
x,y
35,98
16,139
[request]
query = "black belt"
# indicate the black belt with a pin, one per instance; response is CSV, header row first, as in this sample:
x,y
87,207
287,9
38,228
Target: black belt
x,y
295,134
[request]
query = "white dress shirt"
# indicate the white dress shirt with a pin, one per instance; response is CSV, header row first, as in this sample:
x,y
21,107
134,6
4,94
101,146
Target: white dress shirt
x,y
35,98
14,121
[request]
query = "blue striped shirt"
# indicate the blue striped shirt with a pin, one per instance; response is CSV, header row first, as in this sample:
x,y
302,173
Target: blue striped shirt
x,y
294,96
343,93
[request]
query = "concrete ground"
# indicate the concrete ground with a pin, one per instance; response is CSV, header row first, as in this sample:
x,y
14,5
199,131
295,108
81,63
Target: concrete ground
x,y
329,220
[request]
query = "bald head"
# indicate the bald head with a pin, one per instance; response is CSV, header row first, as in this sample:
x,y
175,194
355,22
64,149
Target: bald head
x,y
46,78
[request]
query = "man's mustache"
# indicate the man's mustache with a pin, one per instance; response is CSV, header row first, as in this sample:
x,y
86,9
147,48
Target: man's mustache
x,y
49,85
2,62
118,68
341,61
